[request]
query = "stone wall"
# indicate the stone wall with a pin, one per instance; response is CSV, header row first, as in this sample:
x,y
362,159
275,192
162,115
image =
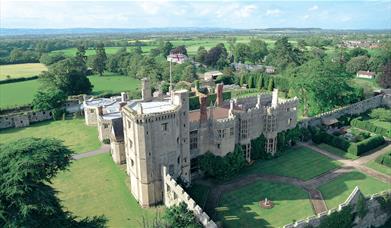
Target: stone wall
x,y
374,216
356,108
174,194
24,119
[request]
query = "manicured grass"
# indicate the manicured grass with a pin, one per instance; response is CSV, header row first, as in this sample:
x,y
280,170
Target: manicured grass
x,y
75,134
379,167
199,193
20,93
299,162
240,208
337,151
336,191
96,186
21,70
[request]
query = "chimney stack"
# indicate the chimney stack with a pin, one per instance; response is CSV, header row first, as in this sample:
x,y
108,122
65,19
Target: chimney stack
x,y
219,94
100,110
146,90
124,97
203,108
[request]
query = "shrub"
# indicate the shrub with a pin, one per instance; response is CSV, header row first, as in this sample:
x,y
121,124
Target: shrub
x,y
366,145
258,150
381,114
106,141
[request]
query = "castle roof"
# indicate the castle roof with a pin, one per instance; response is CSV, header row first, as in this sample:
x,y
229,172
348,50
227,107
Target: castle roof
x,y
152,107
218,113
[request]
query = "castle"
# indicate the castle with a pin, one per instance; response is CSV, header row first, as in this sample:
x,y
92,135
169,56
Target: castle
x,y
156,131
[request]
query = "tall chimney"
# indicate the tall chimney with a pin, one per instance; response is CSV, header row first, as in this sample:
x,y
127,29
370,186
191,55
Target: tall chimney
x,y
124,97
146,90
275,98
203,108
219,94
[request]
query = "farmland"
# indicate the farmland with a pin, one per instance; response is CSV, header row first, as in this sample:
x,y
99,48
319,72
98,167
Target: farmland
x,y
21,70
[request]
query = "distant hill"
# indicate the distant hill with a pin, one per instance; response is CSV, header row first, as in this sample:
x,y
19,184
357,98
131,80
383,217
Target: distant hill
x,y
157,31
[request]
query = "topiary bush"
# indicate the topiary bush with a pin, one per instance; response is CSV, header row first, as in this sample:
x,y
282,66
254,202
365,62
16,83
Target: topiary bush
x,y
366,145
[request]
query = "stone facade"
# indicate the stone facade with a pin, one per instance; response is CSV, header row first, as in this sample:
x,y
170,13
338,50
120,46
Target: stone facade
x,y
17,120
374,217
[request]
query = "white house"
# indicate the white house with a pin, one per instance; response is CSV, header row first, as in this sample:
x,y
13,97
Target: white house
x,y
177,58
365,74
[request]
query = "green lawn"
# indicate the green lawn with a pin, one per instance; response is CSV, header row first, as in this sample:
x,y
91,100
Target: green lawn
x,y
240,208
337,151
379,167
96,186
369,85
299,162
75,134
21,70
336,191
20,93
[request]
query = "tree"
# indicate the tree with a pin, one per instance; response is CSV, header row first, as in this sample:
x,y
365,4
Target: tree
x,y
27,197
49,99
270,86
384,78
250,82
284,54
201,53
258,50
179,50
179,216
355,52
217,57
189,73
69,76
356,64
51,58
241,52
81,54
260,82
166,48
99,62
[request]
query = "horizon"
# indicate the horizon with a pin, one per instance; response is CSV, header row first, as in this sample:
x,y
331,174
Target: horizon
x,y
70,14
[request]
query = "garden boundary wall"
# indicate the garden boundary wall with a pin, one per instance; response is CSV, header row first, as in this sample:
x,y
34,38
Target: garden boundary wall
x,y
174,194
375,216
356,108
24,119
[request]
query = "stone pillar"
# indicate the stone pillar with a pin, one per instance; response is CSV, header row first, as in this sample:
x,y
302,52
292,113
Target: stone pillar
x,y
219,94
146,90
203,108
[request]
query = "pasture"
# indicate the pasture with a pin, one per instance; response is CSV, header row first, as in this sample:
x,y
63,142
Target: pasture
x,y
20,93
96,186
21,70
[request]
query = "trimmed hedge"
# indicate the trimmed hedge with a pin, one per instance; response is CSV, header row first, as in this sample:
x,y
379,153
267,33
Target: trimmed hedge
x,y
11,80
343,144
366,125
366,145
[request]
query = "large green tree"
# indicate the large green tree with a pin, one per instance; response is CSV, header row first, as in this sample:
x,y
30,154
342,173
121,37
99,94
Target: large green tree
x,y
69,76
49,99
258,50
178,216
284,54
27,199
357,63
100,59
241,52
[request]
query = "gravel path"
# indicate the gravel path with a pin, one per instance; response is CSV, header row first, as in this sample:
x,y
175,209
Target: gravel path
x,y
102,150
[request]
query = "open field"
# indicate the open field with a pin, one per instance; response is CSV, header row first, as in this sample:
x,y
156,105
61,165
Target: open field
x,y
337,190
96,186
75,134
337,151
240,208
21,70
19,93
299,162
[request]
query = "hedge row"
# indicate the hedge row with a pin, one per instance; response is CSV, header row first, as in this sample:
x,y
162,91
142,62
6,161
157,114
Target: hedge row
x,y
366,125
194,102
343,144
384,159
366,145
11,80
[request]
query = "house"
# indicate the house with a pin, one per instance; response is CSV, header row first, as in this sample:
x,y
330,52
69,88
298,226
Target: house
x,y
365,74
177,58
212,75
270,69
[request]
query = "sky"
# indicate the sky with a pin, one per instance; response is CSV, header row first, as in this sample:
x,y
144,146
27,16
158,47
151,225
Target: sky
x,y
245,14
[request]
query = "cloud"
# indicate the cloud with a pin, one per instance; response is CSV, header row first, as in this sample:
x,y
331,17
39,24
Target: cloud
x,y
306,17
313,8
246,11
273,12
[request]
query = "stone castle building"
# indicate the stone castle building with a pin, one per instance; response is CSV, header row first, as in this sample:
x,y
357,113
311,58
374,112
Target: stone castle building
x,y
153,132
